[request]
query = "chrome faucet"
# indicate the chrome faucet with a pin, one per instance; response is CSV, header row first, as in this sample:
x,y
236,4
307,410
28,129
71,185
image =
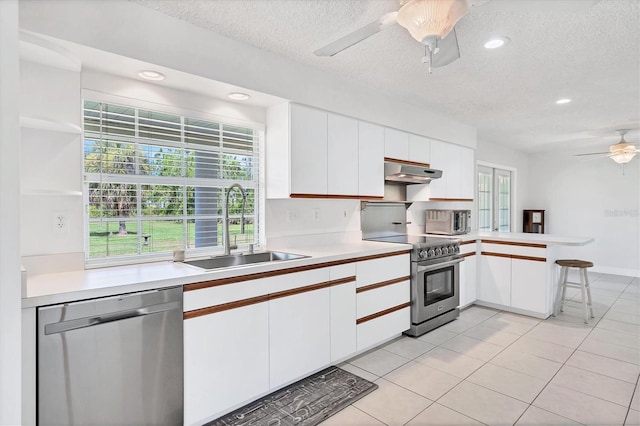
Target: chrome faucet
x,y
225,238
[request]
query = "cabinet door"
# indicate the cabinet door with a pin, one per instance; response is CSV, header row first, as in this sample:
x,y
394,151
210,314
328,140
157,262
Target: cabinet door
x,y
371,159
226,360
343,320
342,155
467,173
419,149
396,144
495,280
452,170
438,187
343,312
308,150
529,285
468,270
299,335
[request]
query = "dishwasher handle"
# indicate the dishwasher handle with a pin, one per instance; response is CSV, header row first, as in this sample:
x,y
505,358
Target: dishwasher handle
x,y
60,327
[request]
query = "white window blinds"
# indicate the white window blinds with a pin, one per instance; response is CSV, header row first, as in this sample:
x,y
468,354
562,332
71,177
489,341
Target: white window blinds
x,y
155,182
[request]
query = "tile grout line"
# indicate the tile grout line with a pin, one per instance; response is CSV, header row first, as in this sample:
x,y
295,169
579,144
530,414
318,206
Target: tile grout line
x,y
484,363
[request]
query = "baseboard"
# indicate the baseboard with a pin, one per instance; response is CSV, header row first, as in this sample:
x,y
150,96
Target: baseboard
x,y
627,272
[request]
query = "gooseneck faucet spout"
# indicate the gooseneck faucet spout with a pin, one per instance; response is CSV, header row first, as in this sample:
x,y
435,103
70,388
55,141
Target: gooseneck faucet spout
x,y
225,238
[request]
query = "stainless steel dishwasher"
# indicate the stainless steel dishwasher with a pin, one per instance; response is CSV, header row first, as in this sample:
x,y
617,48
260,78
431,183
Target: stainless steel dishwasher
x,y
112,361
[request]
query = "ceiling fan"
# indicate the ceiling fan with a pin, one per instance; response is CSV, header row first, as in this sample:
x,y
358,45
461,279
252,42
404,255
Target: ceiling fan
x,y
621,153
431,22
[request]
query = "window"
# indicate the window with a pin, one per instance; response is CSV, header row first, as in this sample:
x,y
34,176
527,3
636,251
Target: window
x,y
155,182
494,199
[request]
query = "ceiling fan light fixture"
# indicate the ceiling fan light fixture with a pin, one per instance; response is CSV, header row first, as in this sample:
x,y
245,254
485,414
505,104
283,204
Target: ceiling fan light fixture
x,y
425,19
623,157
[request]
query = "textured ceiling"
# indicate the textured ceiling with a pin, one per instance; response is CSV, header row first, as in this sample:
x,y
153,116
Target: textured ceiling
x,y
584,50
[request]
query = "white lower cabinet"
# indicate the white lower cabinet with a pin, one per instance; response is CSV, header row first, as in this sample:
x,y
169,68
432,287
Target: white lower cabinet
x,y
226,360
468,281
517,276
299,328
382,299
495,280
343,312
528,284
379,329
246,338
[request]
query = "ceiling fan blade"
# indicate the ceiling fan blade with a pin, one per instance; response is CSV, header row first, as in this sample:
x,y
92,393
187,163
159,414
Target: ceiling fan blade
x,y
357,36
449,50
591,153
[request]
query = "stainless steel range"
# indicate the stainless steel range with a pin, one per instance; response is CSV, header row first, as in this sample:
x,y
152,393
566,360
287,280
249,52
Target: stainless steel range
x,y
435,266
435,282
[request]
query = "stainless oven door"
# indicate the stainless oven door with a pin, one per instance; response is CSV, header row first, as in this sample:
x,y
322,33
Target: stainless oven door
x,y
435,287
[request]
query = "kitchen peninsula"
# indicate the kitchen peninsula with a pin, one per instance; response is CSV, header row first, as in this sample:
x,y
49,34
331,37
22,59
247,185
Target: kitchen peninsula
x,y
513,271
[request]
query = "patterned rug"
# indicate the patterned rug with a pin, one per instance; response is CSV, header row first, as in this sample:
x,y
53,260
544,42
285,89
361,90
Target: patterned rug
x,y
303,403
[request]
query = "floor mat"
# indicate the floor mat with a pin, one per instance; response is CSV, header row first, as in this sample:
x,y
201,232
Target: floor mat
x,y
304,403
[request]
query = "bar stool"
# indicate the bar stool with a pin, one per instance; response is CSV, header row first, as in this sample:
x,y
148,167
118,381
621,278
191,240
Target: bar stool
x,y
583,285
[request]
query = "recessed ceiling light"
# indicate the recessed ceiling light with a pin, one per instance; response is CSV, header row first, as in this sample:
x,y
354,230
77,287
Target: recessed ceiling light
x,y
151,75
496,42
563,101
238,96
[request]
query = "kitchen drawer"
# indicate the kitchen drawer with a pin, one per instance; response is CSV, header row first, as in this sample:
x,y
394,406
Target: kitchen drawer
x,y
514,250
377,330
381,298
225,293
382,269
470,247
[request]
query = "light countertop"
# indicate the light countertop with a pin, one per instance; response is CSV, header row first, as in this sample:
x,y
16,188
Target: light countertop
x,y
549,239
47,289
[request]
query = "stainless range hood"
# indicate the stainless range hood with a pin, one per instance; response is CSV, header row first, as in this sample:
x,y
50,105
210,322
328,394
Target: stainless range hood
x,y
409,173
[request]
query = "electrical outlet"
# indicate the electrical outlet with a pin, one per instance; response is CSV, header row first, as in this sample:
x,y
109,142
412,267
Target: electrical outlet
x,y
60,223
316,214
292,215
344,214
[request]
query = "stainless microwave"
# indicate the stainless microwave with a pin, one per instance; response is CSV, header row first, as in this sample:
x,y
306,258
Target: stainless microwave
x,y
447,222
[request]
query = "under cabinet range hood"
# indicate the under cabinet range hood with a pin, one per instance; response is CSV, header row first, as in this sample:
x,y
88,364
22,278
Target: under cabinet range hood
x,y
409,173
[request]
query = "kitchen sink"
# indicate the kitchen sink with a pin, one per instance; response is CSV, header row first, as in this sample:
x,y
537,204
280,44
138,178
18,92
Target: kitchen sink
x,y
241,259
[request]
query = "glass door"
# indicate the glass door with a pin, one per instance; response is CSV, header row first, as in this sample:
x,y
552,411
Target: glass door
x,y
494,199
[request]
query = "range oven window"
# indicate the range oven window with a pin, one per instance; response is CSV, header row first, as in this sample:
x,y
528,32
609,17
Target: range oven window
x,y
438,285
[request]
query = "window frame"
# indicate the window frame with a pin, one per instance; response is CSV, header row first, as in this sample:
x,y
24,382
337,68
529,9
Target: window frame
x,y
513,186
258,182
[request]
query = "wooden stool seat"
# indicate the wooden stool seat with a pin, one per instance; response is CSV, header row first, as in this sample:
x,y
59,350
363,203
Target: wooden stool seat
x,y
583,285
574,263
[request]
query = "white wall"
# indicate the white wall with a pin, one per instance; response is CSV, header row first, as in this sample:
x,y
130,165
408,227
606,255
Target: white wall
x,y
165,41
287,218
591,197
10,290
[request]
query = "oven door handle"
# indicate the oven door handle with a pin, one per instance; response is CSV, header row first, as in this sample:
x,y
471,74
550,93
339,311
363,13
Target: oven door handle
x,y
422,268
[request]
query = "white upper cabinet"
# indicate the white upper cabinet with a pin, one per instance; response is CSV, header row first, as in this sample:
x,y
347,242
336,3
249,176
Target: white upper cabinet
x,y
467,173
457,165
438,187
308,150
396,144
370,159
311,152
342,155
419,149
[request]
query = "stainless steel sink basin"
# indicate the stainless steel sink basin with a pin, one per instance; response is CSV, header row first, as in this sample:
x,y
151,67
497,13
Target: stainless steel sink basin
x,y
242,259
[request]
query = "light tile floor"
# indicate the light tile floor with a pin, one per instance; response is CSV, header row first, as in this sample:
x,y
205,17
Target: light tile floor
x,y
498,368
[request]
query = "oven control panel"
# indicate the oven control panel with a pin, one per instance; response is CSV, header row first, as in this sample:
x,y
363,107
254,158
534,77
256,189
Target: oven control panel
x,y
435,252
